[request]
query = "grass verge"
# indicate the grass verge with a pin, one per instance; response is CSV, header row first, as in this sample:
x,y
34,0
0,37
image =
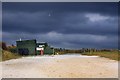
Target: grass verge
x,y
6,55
114,55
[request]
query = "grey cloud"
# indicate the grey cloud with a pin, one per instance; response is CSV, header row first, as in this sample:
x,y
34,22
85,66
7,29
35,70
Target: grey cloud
x,y
108,8
67,40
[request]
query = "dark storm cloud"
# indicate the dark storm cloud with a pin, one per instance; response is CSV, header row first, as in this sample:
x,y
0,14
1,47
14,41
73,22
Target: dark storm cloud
x,y
104,8
67,23
71,25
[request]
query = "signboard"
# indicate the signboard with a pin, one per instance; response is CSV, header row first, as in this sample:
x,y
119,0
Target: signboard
x,y
41,45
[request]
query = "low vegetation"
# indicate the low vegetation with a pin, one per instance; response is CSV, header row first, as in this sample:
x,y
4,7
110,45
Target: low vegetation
x,y
114,55
7,52
6,55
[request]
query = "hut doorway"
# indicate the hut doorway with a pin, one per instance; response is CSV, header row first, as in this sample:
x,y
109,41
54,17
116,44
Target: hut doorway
x,y
23,51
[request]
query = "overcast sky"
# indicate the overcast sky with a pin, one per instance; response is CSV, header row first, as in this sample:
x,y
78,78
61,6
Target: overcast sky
x,y
66,25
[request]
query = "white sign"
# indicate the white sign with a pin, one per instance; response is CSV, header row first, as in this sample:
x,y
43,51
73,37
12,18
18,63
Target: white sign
x,y
41,45
39,48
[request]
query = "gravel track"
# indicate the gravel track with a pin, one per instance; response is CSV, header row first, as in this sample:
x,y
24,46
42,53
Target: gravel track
x,y
60,66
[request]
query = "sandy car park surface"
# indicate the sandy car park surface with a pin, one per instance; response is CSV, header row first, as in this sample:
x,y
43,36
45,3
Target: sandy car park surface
x,y
60,66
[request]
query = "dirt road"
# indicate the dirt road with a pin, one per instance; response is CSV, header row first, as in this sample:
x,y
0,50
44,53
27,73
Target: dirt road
x,y
60,66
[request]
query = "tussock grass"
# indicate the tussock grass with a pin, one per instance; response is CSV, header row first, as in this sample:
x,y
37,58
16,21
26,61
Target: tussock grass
x,y
6,55
0,54
114,55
